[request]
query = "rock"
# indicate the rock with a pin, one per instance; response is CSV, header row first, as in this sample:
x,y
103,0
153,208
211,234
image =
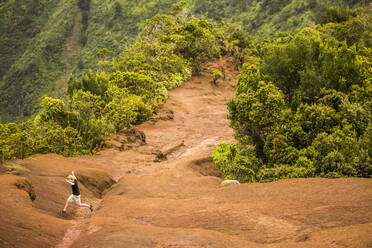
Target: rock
x,y
162,154
172,147
116,144
134,135
128,139
229,183
159,156
163,114
96,180
26,185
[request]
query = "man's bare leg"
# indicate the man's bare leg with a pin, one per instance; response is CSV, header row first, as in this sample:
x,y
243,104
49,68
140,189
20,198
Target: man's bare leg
x,y
86,206
66,205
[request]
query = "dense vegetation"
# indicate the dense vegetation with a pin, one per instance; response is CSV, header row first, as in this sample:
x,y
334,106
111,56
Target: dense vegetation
x,y
32,37
125,91
303,105
43,41
263,18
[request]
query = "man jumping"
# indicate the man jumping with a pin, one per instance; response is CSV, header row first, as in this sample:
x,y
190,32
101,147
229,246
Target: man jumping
x,y
75,197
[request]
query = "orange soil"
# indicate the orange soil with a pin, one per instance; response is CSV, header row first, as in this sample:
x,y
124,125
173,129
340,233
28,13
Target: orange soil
x,y
177,202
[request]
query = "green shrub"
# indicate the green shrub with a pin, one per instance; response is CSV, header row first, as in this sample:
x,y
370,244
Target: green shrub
x,y
237,162
216,75
283,172
94,83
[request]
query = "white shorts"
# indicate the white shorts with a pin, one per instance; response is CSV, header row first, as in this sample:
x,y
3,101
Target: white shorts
x,y
74,198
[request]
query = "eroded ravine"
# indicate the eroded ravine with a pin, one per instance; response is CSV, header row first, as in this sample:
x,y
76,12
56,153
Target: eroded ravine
x,y
177,202
167,191
187,127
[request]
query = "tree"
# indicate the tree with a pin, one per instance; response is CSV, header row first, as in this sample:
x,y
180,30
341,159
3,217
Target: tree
x,y
53,110
254,114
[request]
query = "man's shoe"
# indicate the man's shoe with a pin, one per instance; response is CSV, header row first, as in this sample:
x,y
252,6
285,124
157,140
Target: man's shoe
x,y
91,208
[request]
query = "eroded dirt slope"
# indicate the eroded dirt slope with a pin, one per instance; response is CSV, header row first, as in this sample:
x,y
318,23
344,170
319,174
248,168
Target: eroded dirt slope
x,y
167,191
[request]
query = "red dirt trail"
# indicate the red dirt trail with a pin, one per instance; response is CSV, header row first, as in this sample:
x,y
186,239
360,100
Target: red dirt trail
x,y
167,193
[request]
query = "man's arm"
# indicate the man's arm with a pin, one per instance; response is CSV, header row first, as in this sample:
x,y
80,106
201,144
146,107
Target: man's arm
x,y
70,182
74,175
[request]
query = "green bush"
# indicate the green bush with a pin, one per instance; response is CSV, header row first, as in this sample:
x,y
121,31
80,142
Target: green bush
x,y
237,162
216,75
136,84
94,83
283,172
122,112
303,101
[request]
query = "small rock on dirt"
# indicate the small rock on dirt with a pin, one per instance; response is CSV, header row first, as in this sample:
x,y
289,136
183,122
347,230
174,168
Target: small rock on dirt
x,y
163,114
227,183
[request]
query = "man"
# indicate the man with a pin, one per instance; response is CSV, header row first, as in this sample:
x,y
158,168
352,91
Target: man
x,y
75,197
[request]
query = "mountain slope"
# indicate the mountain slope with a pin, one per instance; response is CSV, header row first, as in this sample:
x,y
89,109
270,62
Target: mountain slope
x,y
35,50
35,35
264,18
38,64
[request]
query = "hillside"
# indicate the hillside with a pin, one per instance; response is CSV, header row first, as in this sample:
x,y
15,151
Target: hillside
x,y
34,34
152,125
42,42
167,194
265,18
36,53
